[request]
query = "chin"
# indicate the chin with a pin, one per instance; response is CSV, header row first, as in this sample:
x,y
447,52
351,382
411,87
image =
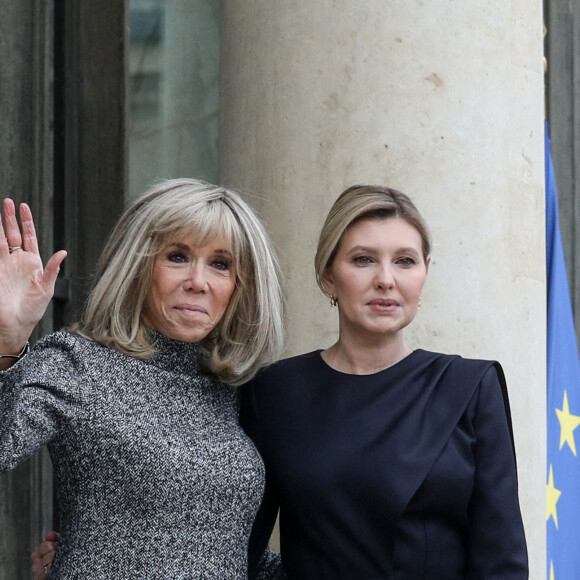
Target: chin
x,y
191,338
185,335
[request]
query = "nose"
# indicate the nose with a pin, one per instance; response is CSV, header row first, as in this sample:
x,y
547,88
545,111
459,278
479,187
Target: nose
x,y
385,277
196,278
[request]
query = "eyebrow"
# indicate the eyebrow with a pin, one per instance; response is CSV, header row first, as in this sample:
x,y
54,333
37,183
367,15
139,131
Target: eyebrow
x,y
370,249
224,252
186,247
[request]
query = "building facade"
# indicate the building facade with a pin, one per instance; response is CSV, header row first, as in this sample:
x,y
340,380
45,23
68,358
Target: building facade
x,y
291,103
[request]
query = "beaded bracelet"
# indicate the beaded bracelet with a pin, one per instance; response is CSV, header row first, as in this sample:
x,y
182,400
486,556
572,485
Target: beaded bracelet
x,y
18,356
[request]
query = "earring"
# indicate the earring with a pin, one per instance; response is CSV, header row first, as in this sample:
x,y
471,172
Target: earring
x,y
419,304
333,301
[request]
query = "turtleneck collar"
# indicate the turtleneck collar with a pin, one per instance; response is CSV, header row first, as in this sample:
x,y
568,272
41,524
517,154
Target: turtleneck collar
x,y
175,354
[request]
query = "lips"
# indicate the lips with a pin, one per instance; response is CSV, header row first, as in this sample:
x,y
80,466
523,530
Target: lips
x,y
383,302
191,308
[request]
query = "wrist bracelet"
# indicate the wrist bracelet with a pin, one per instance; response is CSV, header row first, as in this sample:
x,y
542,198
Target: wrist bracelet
x,y
18,356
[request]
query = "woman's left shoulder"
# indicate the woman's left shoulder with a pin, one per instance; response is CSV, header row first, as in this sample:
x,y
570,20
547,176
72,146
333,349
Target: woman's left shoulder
x,y
468,378
487,377
472,367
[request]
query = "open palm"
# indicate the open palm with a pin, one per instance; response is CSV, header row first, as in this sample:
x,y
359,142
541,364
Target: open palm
x,y
26,288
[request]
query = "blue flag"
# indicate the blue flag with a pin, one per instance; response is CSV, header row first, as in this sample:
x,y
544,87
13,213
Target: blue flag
x,y
563,404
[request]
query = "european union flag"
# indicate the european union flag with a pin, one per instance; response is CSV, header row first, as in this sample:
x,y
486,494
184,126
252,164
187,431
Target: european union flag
x,y
563,404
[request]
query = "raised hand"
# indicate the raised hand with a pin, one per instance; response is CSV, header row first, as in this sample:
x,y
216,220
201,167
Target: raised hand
x,y
26,288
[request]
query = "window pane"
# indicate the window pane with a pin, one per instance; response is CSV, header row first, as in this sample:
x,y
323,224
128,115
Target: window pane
x,y
173,90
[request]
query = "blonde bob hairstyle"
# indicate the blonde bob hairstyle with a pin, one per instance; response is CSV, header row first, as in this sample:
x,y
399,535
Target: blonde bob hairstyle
x,y
361,202
250,333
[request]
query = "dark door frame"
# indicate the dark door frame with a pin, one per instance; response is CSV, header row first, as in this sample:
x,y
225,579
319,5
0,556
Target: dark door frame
x,y
62,111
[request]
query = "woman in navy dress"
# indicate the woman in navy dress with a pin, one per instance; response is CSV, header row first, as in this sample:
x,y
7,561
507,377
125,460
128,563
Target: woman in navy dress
x,y
384,462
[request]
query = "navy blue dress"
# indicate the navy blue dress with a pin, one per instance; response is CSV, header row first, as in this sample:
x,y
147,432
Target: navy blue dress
x,y
408,473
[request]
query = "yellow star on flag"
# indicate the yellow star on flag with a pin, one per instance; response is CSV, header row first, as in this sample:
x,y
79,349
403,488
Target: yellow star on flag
x,y
552,497
552,576
568,423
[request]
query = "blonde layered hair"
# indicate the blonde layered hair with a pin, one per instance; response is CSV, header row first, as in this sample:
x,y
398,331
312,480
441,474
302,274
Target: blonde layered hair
x,y
361,202
250,333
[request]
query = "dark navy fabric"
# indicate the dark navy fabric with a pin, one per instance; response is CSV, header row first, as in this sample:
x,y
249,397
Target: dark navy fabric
x,y
408,473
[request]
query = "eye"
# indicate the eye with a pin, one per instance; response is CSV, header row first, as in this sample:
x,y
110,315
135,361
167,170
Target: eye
x,y
177,257
406,261
222,264
363,260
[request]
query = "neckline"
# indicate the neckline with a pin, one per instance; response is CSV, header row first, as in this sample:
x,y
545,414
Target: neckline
x,y
401,363
173,354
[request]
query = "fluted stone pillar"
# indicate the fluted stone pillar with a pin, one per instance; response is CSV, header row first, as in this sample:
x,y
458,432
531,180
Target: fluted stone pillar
x,y
442,100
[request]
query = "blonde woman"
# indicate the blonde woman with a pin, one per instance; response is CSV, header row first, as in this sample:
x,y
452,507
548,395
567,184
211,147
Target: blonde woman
x,y
136,403
384,462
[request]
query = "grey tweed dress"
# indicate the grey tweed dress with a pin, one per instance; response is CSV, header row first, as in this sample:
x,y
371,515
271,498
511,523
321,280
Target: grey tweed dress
x,y
154,476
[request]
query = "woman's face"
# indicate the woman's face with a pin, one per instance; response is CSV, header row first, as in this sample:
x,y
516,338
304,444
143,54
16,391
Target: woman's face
x,y
191,287
377,276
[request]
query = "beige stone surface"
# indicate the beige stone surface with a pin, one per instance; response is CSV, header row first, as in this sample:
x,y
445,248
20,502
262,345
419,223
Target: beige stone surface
x,y
443,100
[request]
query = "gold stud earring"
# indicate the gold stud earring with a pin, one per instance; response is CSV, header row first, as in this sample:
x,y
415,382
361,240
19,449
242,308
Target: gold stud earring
x,y
333,301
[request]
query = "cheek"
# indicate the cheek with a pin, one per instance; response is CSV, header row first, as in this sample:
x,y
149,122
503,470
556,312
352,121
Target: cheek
x,y
354,281
154,303
149,308
225,294
164,284
415,286
231,290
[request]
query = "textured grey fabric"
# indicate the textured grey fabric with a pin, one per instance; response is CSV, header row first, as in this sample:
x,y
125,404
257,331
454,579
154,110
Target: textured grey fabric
x,y
155,479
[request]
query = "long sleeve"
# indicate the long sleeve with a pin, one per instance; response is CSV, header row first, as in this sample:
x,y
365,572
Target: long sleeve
x,y
263,564
38,396
497,546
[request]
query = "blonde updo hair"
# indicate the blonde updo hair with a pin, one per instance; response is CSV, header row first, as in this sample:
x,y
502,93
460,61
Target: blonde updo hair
x,y
250,333
361,202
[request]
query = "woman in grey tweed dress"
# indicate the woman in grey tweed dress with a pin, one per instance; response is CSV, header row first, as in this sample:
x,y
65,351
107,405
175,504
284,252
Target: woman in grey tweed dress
x,y
154,476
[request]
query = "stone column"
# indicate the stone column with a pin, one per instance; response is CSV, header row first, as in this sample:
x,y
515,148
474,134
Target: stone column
x,y
442,100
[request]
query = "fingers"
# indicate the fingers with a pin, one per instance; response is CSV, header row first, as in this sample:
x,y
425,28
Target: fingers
x,y
3,241
41,569
11,237
43,555
29,239
12,230
51,271
44,551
